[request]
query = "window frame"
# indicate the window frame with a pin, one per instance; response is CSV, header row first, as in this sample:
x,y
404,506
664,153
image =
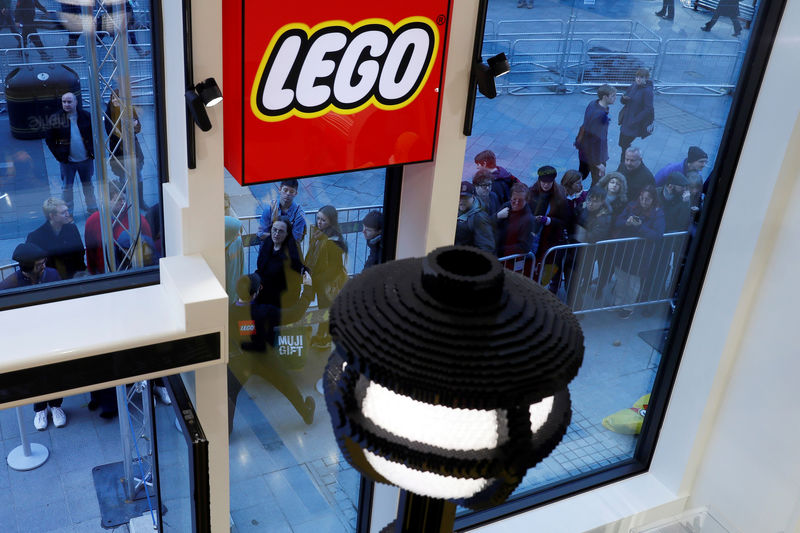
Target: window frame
x,y
765,28
116,281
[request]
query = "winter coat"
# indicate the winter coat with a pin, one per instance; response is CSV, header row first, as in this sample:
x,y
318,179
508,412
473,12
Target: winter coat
x,y
474,228
593,147
639,112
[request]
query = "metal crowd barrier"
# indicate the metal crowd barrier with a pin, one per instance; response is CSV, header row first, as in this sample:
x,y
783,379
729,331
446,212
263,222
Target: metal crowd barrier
x,y
699,66
55,51
7,270
349,222
588,272
551,57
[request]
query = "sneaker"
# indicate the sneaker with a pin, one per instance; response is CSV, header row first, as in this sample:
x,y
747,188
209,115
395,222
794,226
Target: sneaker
x,y
40,419
59,417
162,394
625,313
660,13
705,28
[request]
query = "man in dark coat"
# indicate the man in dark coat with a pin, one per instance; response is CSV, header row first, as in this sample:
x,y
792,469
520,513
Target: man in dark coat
x,y
592,139
636,173
674,198
25,16
73,157
726,8
638,113
473,227
59,238
373,234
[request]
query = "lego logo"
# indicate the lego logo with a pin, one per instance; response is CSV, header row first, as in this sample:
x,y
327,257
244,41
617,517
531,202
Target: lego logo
x,y
335,66
247,327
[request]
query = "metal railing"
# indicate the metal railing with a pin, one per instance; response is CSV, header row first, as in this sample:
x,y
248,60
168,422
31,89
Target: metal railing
x,y
588,272
7,270
349,222
705,65
553,57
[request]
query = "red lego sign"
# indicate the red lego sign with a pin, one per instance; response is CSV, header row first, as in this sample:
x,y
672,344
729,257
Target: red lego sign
x,y
322,87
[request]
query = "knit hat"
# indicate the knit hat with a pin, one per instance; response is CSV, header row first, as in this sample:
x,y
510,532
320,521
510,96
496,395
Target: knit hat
x,y
467,189
547,173
27,253
676,178
695,154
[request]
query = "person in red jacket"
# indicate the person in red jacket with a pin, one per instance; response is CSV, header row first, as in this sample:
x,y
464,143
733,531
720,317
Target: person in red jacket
x,y
95,260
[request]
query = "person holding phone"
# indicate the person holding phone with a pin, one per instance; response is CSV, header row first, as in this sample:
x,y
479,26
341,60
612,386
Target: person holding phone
x,y
641,218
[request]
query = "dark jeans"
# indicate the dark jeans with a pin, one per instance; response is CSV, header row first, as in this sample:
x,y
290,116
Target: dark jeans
x,y
40,406
668,8
737,26
624,143
84,169
585,168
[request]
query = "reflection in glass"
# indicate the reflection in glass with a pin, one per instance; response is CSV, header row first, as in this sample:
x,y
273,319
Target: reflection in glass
x,y
78,113
290,247
592,165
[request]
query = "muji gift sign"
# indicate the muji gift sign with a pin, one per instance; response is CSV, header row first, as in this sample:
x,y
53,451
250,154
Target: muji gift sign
x,y
321,87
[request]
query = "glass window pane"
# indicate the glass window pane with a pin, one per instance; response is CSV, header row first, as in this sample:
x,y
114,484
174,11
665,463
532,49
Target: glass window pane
x,y
286,469
79,161
74,479
611,118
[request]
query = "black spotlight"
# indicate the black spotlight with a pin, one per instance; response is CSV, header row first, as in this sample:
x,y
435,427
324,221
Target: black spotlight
x,y
485,74
211,95
204,94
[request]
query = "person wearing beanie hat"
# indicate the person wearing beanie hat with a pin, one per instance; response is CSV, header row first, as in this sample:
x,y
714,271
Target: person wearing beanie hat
x,y
674,198
473,227
32,269
696,160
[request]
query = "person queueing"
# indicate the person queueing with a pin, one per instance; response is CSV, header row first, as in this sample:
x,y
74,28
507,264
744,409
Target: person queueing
x,y
244,363
32,271
284,206
473,225
641,218
593,225
60,239
515,224
118,152
373,233
553,218
502,179
69,138
325,260
281,272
